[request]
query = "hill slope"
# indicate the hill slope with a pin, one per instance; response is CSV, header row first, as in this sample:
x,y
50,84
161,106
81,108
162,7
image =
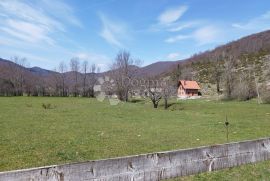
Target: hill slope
x,y
247,45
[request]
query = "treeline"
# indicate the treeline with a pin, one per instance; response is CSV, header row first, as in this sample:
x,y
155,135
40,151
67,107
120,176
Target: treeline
x,y
76,79
79,79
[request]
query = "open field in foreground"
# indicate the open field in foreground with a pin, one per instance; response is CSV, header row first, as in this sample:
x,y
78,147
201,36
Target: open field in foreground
x,y
78,129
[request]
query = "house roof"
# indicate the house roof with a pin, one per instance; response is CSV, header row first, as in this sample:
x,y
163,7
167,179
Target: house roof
x,y
189,84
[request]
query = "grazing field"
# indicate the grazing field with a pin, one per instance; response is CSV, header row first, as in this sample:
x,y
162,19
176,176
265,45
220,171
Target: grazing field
x,y
78,129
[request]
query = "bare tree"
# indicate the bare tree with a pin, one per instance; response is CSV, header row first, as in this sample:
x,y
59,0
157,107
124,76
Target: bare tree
x,y
122,71
262,87
54,83
154,92
6,87
228,76
85,71
168,90
252,79
217,70
187,73
18,74
244,87
62,70
176,73
92,79
75,68
257,88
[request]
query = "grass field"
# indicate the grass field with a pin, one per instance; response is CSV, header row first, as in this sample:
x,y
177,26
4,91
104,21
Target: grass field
x,y
78,129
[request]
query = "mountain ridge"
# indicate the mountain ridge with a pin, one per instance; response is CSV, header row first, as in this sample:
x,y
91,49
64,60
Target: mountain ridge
x,y
246,45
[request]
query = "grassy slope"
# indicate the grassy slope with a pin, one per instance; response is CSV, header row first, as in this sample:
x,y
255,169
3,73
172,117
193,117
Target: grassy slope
x,y
80,129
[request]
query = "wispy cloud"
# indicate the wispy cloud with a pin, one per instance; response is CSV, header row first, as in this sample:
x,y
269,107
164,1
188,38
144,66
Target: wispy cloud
x,y
170,20
61,10
177,38
21,10
207,34
183,25
31,29
172,14
260,23
200,31
113,32
27,31
173,56
203,35
34,23
176,56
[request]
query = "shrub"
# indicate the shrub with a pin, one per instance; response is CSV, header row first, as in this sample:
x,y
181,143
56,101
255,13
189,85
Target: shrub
x,y
47,106
244,91
265,94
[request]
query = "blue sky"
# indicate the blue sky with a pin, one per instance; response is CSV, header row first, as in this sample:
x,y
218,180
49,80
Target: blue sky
x,y
49,31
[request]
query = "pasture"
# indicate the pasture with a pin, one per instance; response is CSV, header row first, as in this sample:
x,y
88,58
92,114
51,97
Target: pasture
x,y
79,129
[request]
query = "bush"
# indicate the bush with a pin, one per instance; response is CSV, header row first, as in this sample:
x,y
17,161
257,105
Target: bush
x,y
244,91
265,94
47,106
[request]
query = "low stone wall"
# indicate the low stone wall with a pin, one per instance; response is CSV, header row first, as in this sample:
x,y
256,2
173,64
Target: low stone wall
x,y
154,166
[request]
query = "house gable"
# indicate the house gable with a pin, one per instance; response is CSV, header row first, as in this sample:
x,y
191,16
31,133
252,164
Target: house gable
x,y
187,88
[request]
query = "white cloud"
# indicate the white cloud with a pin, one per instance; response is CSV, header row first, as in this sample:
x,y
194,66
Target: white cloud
x,y
36,23
27,31
207,34
173,56
61,10
23,11
176,56
260,23
170,21
34,29
181,26
113,32
176,38
82,56
171,15
203,35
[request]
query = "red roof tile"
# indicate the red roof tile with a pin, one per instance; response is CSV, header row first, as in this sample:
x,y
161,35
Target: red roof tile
x,y
188,84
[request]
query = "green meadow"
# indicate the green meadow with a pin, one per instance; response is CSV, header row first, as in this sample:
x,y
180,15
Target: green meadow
x,y
79,129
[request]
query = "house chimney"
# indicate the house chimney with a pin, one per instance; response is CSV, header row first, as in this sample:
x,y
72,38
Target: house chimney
x,y
184,82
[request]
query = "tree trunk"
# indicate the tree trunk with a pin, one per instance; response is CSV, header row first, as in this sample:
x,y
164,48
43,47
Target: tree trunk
x,y
126,96
91,92
218,86
257,90
166,103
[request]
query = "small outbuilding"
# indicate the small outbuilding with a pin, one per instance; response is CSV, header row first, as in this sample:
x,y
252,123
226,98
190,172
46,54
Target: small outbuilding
x,y
188,89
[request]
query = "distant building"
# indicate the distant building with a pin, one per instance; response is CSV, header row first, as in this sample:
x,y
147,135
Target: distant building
x,y
188,89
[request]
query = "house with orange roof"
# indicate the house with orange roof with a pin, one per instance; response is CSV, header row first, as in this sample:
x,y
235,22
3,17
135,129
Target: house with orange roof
x,y
188,89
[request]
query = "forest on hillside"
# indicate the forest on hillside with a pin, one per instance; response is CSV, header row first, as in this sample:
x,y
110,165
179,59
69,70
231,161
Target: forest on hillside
x,y
239,70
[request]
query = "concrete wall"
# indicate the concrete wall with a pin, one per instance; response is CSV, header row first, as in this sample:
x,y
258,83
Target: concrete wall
x,y
154,166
